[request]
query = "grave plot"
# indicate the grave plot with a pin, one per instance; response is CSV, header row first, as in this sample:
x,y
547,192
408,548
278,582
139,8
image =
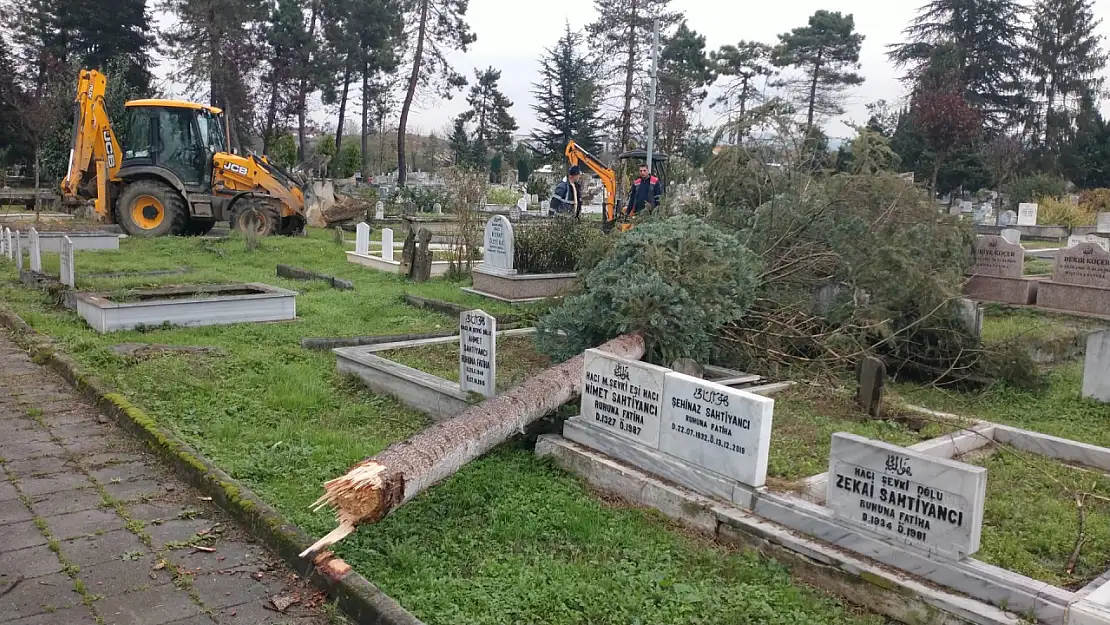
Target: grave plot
x,y
186,306
998,273
1081,281
396,255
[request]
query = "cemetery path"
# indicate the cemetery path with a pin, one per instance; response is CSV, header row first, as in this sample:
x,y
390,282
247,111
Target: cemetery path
x,y
93,530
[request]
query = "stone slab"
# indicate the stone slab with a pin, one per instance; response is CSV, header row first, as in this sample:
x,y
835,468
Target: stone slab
x,y
21,535
31,562
46,594
725,430
1086,264
927,503
996,257
77,615
623,396
1023,291
1073,298
518,288
1096,366
158,606
84,523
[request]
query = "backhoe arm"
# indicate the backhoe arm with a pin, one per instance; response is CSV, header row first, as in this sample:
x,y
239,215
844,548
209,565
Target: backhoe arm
x,y
94,151
577,155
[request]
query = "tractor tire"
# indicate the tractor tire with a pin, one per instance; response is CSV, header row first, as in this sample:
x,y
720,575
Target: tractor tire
x,y
149,208
199,227
258,215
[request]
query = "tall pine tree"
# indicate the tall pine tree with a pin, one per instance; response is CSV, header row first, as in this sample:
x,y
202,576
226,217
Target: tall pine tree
x,y
684,73
489,112
743,67
435,28
1066,63
568,99
287,41
95,37
824,50
987,38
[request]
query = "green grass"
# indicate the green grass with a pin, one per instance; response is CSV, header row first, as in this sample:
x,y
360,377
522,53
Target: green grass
x,y
1000,325
805,421
517,359
1041,245
1038,266
1040,544
509,539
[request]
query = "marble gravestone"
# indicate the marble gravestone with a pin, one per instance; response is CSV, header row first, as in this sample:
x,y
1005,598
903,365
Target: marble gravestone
x,y
871,375
1102,225
379,211
478,352
1087,264
18,240
725,430
1075,240
623,397
934,505
1012,236
498,247
36,250
1027,214
1007,218
1096,367
8,243
997,257
362,239
387,244
65,263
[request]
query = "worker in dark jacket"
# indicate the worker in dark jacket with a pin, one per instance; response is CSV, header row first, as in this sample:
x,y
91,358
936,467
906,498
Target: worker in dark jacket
x,y
566,199
646,193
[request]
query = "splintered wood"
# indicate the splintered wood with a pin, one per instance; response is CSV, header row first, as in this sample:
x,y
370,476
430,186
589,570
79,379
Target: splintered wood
x,y
379,485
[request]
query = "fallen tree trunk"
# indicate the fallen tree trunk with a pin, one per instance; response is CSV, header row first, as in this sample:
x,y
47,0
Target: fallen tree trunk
x,y
379,485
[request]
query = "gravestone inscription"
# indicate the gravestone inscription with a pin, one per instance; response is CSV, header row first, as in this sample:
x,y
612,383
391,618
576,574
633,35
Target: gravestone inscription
x,y
1027,214
623,396
478,352
1086,264
997,257
931,504
498,246
716,427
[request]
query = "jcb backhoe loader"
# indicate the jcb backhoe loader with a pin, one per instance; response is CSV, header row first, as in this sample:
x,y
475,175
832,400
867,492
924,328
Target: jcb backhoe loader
x,y
173,173
577,155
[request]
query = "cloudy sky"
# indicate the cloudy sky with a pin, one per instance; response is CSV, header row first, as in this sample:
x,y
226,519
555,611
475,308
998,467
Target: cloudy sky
x,y
513,35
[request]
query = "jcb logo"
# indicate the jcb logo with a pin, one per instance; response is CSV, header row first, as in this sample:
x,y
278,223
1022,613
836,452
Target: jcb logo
x,y
107,136
236,168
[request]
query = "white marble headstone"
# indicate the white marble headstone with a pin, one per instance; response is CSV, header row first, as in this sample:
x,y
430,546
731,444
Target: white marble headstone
x,y
1007,218
5,241
379,210
931,504
8,249
478,352
65,263
362,239
36,250
18,250
1012,236
387,244
1096,367
497,256
535,199
1074,240
522,204
514,213
1102,225
437,208
623,396
1027,215
717,428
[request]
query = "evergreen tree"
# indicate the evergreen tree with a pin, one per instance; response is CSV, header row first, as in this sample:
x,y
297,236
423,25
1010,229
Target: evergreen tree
x,y
684,73
1066,62
568,99
459,143
623,35
742,66
1086,158
489,112
217,45
306,68
95,36
12,143
439,26
986,37
287,39
824,51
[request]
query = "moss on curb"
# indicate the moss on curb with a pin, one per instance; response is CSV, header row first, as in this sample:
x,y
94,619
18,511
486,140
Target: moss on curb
x,y
363,602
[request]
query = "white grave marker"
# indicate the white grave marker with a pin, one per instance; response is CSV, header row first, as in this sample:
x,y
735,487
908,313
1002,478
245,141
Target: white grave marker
x,y
1007,218
1102,242
478,352
5,243
535,199
966,206
1102,226
1027,215
387,244
623,396
18,250
522,204
931,504
379,210
498,244
362,239
66,263
1096,366
437,208
717,427
1012,236
36,250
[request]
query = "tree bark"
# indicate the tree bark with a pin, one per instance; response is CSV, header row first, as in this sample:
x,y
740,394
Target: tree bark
x,y
414,78
302,96
365,124
379,485
813,95
38,159
336,161
271,115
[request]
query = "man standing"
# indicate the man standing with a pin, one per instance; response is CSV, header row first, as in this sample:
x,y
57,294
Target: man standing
x,y
645,194
566,199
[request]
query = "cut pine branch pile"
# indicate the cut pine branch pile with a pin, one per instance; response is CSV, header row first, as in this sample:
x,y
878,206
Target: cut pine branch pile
x,y
377,486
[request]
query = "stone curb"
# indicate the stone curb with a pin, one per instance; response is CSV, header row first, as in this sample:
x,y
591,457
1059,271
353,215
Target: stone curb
x,y
363,602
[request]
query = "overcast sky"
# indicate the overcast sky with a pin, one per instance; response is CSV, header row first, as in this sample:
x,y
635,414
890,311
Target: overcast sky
x,y
513,35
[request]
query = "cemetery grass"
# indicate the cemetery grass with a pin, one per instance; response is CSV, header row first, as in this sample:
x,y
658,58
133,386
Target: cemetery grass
x,y
509,539
1031,520
1038,266
517,359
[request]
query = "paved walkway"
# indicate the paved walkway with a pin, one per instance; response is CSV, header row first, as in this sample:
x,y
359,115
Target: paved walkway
x,y
93,530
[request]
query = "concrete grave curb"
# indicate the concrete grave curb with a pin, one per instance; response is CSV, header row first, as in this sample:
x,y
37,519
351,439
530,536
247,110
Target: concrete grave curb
x,y
363,602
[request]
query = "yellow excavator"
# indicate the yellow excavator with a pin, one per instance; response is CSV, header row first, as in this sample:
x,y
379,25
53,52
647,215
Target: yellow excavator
x,y
577,155
174,173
